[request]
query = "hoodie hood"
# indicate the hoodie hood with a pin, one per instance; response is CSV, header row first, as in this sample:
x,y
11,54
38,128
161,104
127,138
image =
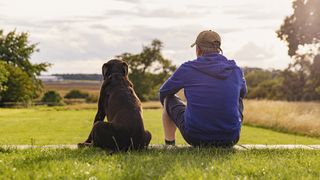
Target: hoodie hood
x,y
215,65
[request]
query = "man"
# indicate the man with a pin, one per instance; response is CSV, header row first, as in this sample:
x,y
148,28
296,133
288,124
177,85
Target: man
x,y
214,88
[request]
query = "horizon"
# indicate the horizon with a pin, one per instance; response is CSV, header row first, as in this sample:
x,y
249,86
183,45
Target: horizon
x,y
79,36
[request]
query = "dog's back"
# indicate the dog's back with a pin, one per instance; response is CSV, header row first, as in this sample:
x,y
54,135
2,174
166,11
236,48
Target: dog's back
x,y
124,129
124,113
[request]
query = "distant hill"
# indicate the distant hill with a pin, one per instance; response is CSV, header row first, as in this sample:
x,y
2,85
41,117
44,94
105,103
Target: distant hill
x,y
88,77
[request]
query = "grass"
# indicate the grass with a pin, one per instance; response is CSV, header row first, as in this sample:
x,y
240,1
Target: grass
x,y
192,163
294,117
71,124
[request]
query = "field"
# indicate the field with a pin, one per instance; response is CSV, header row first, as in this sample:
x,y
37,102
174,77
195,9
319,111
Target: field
x,y
70,125
293,117
290,117
92,87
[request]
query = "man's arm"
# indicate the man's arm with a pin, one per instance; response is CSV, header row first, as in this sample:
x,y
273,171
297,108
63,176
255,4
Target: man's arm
x,y
173,84
243,90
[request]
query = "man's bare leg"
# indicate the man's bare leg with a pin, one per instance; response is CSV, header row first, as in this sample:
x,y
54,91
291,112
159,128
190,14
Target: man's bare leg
x,y
168,126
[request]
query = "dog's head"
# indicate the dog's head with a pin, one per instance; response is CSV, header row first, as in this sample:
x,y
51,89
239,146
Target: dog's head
x,y
114,66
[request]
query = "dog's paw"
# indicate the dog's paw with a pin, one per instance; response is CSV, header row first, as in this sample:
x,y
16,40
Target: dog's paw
x,y
84,144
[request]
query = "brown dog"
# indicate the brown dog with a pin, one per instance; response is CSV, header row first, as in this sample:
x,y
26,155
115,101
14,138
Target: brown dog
x,y
118,101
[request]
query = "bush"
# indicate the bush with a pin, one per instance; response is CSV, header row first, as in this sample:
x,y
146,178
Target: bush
x,y
92,98
19,86
76,94
52,98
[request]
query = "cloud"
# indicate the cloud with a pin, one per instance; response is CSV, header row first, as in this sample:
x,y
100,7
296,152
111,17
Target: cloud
x,y
258,10
155,13
130,1
258,16
77,66
98,30
252,14
252,54
69,43
75,19
46,24
100,27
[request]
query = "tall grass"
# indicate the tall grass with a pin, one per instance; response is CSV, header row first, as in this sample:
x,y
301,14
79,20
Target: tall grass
x,y
294,117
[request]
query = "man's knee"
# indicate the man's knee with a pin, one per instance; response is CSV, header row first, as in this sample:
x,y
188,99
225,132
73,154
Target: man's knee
x,y
166,102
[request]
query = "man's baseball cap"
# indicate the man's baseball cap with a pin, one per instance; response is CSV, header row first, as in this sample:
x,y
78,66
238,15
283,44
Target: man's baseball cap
x,y
208,39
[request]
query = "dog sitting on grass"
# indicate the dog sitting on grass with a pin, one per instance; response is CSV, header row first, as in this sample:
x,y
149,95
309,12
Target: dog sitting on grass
x,y
124,129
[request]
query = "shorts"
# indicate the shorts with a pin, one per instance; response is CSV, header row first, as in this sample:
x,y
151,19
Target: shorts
x,y
175,108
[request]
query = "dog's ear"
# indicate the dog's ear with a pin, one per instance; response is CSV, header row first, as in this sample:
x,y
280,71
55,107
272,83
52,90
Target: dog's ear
x,y
105,70
125,68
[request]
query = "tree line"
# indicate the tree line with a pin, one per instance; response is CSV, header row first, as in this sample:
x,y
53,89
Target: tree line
x,y
87,77
280,85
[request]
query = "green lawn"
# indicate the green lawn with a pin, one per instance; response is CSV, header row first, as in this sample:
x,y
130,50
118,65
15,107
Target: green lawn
x,y
160,164
69,126
65,126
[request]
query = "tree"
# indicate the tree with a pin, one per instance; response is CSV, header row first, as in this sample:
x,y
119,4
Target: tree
x,y
264,84
148,70
302,27
314,80
19,86
3,78
268,89
52,98
15,49
301,32
15,52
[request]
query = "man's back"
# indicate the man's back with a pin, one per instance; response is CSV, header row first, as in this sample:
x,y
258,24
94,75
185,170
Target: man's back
x,y
213,87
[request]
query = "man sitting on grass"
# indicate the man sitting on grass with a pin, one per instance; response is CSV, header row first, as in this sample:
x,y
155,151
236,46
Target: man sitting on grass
x,y
214,87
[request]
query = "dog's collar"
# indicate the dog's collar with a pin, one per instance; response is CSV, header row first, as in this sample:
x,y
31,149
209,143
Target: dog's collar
x,y
113,74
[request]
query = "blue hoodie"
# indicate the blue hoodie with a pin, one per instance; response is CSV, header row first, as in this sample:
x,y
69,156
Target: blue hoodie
x,y
213,87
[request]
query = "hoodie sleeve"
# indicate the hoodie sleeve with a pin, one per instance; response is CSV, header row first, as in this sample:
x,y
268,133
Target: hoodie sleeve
x,y
173,84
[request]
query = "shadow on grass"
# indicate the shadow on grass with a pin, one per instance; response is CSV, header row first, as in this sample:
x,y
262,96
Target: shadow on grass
x,y
155,163
167,156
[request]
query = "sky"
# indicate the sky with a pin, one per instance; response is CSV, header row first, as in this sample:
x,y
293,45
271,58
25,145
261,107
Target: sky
x,y
78,36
